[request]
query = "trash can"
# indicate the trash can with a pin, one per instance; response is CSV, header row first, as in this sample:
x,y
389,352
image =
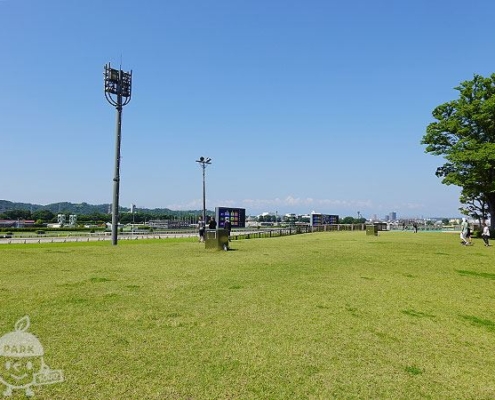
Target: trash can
x,y
217,239
372,230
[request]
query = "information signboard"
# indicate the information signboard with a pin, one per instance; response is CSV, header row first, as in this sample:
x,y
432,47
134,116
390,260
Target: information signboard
x,y
323,219
237,216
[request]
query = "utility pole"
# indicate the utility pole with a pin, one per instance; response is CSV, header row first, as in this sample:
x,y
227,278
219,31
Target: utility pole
x,y
204,161
117,83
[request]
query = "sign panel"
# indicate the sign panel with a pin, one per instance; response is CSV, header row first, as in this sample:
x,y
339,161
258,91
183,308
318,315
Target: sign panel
x,y
237,216
323,219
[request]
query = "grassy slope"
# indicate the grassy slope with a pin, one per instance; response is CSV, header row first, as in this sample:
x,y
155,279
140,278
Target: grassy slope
x,y
327,315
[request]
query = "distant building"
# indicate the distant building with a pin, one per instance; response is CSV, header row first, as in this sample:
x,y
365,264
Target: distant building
x,y
17,223
7,223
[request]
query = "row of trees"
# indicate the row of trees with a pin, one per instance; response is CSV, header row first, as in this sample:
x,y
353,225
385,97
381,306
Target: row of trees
x,y
464,134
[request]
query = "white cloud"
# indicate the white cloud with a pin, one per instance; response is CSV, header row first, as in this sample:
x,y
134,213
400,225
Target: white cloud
x,y
299,204
303,205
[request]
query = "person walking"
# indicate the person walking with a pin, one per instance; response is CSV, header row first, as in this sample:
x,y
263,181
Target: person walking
x,y
464,232
469,235
485,234
227,226
201,229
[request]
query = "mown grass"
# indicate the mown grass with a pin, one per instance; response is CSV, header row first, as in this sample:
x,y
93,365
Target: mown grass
x,y
337,315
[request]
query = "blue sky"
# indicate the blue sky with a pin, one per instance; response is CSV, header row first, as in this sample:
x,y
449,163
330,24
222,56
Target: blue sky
x,y
302,105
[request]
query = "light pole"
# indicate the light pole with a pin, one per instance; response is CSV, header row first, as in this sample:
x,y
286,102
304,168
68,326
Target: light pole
x,y
117,83
204,161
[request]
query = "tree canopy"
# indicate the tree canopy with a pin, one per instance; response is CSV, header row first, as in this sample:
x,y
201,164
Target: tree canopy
x,y
464,134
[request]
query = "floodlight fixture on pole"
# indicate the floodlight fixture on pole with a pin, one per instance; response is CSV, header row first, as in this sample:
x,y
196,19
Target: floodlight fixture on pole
x,y
204,161
118,93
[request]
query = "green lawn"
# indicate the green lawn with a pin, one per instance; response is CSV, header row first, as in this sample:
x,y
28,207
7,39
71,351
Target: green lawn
x,y
336,315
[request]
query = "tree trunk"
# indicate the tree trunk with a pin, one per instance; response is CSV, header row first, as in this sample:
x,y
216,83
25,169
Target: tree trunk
x,y
491,209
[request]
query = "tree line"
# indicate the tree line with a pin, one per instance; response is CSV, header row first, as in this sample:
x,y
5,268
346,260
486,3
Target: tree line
x,y
46,217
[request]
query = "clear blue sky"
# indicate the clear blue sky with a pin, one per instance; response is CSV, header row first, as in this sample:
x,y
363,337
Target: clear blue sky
x,y
302,105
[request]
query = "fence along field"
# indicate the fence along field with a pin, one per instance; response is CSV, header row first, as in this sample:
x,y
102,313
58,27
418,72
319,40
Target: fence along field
x,y
326,315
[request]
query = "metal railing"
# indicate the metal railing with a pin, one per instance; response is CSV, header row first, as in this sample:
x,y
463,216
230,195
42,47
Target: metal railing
x,y
239,234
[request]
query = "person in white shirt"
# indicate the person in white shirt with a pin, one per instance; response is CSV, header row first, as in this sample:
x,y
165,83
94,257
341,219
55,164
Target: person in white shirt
x,y
486,234
464,232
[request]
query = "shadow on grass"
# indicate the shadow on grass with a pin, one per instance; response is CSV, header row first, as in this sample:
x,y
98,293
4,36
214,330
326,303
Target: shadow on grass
x,y
486,323
413,370
419,314
474,273
99,279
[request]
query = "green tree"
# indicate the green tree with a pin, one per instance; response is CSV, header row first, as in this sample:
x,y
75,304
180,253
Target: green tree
x,y
352,220
18,214
95,218
464,134
44,215
126,218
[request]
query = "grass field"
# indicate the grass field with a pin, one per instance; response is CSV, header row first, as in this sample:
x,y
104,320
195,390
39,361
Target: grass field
x,y
336,315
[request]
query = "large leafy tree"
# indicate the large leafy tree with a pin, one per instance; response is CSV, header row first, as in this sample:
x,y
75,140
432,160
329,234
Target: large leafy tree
x,y
464,134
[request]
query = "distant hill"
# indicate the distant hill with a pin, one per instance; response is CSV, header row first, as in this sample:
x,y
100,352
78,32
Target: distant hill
x,y
82,208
